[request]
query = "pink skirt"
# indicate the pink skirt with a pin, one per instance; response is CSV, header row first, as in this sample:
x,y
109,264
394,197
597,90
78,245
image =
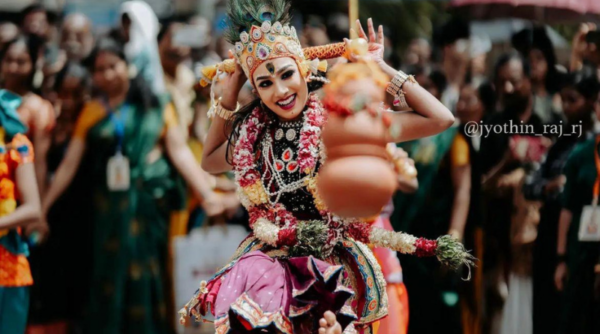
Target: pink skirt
x,y
264,290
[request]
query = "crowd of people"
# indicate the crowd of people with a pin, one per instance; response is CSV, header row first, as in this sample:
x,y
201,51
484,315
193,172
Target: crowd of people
x,y
521,199
514,194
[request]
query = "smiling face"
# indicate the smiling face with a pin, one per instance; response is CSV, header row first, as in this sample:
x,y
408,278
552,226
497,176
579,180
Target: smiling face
x,y
281,87
110,73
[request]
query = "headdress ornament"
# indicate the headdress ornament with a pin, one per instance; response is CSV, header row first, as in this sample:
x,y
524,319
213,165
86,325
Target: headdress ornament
x,y
260,31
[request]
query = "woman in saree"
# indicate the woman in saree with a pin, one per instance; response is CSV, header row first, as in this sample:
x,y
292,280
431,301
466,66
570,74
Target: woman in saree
x,y
135,151
301,259
19,60
577,272
17,183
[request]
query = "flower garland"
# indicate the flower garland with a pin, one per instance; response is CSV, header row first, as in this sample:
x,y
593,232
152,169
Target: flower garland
x,y
253,194
278,227
17,152
246,171
310,135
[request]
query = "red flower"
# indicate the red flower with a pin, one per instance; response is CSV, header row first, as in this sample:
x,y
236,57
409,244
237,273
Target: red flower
x,y
425,247
359,231
287,237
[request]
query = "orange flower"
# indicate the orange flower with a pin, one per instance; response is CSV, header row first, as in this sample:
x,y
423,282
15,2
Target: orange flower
x,y
21,150
3,167
7,189
7,206
256,193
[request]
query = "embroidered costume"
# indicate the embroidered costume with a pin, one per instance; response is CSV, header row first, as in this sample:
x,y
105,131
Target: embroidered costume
x,y
301,259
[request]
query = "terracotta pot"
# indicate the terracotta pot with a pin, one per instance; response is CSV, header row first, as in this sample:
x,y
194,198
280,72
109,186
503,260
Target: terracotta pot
x,y
357,179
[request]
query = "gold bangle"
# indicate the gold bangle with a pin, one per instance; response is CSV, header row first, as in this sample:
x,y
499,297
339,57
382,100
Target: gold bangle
x,y
224,113
394,88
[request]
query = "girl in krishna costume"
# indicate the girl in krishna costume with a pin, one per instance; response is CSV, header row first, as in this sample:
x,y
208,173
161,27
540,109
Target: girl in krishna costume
x,y
301,259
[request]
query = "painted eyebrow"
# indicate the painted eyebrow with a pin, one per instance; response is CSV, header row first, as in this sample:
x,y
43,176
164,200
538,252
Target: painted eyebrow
x,y
278,72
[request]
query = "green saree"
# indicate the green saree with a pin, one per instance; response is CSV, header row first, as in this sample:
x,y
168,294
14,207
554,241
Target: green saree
x,y
579,310
432,291
129,294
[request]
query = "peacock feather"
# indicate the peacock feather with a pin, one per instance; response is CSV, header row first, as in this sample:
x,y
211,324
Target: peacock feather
x,y
243,14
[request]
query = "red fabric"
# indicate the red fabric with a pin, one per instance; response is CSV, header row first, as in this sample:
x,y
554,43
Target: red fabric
x,y
397,320
546,11
580,6
210,298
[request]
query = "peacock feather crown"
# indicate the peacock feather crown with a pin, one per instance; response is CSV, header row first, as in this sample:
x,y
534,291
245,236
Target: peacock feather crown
x,y
260,31
269,41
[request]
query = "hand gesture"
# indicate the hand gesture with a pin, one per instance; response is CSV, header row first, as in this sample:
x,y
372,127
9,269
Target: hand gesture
x,y
213,205
38,231
581,48
228,85
374,40
555,185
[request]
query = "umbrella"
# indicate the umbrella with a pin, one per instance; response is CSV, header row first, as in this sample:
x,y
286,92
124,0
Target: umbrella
x,y
539,10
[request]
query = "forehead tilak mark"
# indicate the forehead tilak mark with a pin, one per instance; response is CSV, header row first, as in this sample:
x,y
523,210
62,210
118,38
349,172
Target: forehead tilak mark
x,y
270,68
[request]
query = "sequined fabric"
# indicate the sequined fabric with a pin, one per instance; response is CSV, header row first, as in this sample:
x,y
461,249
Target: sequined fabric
x,y
285,138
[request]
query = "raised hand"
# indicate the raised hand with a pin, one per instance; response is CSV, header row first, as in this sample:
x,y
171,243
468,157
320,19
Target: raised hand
x,y
375,40
228,85
375,46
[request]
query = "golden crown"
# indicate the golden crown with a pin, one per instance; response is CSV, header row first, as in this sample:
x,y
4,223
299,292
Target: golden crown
x,y
269,41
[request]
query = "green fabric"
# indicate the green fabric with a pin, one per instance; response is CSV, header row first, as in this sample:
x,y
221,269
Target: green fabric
x,y
577,310
14,305
426,213
131,229
428,154
9,118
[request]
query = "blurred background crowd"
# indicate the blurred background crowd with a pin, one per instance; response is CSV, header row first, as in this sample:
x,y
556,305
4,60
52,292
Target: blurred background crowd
x,y
515,199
